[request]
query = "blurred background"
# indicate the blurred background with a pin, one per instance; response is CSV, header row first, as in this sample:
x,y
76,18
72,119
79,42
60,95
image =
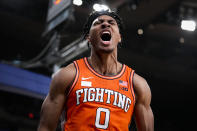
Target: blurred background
x,y
40,36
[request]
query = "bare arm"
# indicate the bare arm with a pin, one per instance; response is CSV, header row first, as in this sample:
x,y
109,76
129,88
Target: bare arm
x,y
143,113
54,103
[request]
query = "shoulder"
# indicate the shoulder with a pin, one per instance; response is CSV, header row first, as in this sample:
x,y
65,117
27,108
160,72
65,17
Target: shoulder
x,y
65,73
141,87
139,81
63,78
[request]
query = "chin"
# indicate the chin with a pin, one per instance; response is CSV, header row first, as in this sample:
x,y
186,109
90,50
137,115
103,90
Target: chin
x,y
106,51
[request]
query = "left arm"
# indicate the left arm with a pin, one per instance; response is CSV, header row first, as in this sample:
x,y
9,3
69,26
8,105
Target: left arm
x,y
143,113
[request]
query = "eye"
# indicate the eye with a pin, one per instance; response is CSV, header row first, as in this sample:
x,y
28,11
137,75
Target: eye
x,y
112,22
96,23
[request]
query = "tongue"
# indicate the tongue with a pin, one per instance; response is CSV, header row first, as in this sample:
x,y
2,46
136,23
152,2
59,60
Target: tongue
x,y
106,42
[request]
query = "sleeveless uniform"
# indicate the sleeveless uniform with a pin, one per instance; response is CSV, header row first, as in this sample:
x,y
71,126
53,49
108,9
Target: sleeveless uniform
x,y
96,102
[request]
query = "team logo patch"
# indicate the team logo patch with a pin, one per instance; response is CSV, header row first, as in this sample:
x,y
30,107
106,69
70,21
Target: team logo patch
x,y
123,88
123,85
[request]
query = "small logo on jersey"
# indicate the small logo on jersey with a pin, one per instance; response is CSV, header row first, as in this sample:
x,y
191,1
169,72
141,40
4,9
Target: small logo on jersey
x,y
83,78
122,83
86,83
123,88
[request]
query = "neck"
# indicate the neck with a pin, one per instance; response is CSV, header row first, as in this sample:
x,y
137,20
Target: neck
x,y
105,64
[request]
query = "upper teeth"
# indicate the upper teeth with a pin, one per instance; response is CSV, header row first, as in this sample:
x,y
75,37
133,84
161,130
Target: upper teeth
x,y
104,32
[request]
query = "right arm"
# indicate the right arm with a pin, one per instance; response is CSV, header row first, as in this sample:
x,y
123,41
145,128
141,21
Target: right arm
x,y
54,103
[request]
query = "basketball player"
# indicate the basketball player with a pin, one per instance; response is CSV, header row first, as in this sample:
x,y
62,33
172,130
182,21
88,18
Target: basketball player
x,y
98,92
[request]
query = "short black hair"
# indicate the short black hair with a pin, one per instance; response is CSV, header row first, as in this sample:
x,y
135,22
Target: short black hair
x,y
96,14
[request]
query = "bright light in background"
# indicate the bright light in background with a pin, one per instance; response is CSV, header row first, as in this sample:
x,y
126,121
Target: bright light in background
x,y
182,40
188,25
140,31
77,2
99,7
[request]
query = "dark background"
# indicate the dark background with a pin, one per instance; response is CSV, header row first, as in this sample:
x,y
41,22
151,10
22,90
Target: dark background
x,y
165,55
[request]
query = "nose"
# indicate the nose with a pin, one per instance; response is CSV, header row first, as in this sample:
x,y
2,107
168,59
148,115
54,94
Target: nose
x,y
105,25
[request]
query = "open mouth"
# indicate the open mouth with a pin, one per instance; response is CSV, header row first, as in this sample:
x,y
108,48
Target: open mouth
x,y
106,36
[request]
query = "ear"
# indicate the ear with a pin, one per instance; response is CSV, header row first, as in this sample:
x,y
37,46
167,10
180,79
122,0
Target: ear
x,y
120,39
87,37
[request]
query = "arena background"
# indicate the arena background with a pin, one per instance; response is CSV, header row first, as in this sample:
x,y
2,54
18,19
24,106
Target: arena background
x,y
40,36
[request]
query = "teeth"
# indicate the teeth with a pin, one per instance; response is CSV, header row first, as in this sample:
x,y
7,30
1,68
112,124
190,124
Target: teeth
x,y
106,32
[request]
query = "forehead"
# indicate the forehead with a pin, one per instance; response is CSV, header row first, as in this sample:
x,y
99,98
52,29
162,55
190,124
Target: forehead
x,y
104,17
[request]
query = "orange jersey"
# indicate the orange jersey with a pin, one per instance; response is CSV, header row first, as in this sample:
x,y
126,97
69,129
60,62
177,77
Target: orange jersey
x,y
97,102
